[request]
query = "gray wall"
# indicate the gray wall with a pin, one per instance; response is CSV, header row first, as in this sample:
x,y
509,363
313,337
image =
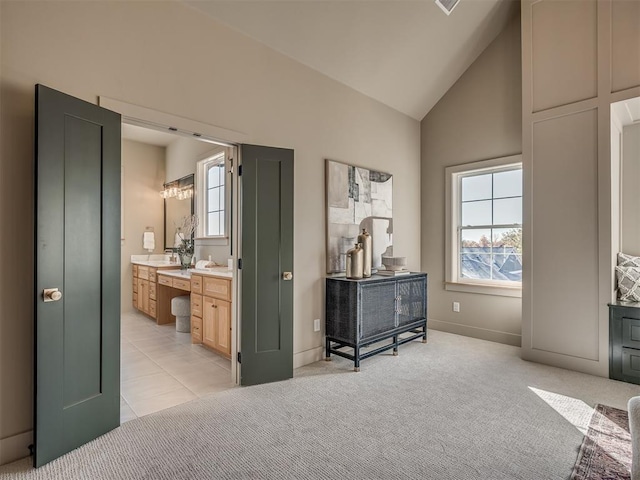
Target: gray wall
x,y
566,148
478,118
144,173
165,56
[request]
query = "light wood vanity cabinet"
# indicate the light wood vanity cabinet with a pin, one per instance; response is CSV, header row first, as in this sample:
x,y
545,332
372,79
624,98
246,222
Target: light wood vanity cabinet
x,y
211,313
145,288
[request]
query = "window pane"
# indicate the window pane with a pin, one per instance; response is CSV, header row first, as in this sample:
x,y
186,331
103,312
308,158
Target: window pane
x,y
507,267
507,240
476,213
507,184
221,197
477,187
475,265
214,177
213,223
507,211
214,200
471,239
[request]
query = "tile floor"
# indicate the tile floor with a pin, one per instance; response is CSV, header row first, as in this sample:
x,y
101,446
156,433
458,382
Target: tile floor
x,y
160,368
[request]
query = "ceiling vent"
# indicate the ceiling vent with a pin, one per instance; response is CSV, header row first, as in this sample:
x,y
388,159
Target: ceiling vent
x,y
447,6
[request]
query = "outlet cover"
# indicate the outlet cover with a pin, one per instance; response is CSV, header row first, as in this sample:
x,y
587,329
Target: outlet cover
x,y
456,306
316,325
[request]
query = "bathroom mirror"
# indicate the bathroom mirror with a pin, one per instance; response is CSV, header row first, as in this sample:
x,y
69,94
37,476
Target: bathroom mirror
x,y
178,203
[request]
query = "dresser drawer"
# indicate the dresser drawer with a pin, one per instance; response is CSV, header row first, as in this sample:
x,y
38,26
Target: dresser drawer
x,y
162,280
196,329
630,332
217,287
182,284
152,308
196,304
152,290
152,275
196,283
143,272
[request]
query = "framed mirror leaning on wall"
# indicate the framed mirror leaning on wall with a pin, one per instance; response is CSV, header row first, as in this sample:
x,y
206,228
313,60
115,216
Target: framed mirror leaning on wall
x,y
178,203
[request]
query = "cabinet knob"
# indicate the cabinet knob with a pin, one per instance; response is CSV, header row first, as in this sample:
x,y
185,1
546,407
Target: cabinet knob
x,y
51,294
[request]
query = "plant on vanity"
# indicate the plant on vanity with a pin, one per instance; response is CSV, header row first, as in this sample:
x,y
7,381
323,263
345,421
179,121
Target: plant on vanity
x,y
186,231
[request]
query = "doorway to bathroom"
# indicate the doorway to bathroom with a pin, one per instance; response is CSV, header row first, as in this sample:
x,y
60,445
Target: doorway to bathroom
x,y
168,180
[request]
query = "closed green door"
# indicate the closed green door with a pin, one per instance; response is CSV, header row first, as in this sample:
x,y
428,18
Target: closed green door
x,y
77,277
266,308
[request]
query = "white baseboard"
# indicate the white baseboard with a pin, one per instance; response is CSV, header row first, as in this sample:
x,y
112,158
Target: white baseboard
x,y
308,356
15,447
476,332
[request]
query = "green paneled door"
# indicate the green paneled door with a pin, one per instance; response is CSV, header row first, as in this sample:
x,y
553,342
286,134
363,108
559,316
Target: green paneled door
x,y
266,336
77,242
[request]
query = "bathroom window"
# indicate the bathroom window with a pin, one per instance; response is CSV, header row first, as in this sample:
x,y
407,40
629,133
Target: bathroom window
x,y
484,215
212,202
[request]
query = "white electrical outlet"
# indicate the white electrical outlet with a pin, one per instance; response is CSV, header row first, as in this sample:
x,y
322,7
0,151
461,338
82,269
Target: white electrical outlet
x,y
456,306
316,325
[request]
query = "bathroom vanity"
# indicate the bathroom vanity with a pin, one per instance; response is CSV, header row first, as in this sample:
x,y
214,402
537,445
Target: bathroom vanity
x,y
210,292
145,286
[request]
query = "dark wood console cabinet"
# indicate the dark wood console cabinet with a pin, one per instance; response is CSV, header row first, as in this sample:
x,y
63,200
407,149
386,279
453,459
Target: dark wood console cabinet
x,y
624,341
362,312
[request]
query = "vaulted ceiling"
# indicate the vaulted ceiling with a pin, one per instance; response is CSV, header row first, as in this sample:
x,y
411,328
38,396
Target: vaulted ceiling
x,y
403,53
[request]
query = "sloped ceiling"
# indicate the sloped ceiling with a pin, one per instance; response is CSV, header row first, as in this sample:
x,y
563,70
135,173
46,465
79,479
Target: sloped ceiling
x,y
403,53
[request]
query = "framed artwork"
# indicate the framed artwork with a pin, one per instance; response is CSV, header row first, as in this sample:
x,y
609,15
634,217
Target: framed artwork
x,y
357,198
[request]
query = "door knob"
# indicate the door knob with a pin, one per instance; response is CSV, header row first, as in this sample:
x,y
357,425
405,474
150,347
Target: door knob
x,y
287,276
51,294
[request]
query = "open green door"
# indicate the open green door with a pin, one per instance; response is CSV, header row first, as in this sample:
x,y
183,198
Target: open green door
x,y
266,274
77,277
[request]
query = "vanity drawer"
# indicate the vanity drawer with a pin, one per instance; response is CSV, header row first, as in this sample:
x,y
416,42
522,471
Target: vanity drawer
x,y
182,284
217,287
196,283
152,308
196,304
152,290
143,273
135,270
162,280
135,300
135,285
152,275
196,329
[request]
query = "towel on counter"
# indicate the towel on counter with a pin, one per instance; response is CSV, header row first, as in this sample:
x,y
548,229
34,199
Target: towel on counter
x,y
148,241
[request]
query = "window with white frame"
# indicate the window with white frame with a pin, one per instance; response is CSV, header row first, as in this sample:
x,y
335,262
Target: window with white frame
x,y
484,215
212,201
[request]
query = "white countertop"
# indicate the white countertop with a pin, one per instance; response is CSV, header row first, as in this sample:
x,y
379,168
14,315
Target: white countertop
x,y
156,263
222,272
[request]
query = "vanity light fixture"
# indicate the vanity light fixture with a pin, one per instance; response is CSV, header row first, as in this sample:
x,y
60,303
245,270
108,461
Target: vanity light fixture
x,y
177,190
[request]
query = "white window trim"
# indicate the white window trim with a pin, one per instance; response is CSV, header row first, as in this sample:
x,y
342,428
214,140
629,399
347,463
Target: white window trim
x,y
201,200
452,283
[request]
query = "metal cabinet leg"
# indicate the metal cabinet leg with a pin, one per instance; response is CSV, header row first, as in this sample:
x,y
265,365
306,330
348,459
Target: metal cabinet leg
x,y
395,345
356,359
327,350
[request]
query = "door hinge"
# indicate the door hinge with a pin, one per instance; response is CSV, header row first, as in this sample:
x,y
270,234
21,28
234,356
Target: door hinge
x,y
239,264
239,170
239,357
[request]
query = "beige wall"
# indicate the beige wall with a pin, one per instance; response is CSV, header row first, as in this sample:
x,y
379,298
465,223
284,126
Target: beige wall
x,y
165,56
578,57
144,174
630,208
478,118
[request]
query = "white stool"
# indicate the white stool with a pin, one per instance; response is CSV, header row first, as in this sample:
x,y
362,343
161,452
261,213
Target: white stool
x,y
181,308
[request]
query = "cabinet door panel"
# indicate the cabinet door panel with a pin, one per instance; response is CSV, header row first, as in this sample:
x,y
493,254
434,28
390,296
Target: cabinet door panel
x,y
378,309
412,300
208,321
223,326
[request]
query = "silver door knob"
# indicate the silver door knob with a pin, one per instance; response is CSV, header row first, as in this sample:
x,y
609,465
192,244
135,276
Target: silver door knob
x,y
51,294
287,276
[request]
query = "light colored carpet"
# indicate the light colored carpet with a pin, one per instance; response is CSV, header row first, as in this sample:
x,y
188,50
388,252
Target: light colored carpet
x,y
455,408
